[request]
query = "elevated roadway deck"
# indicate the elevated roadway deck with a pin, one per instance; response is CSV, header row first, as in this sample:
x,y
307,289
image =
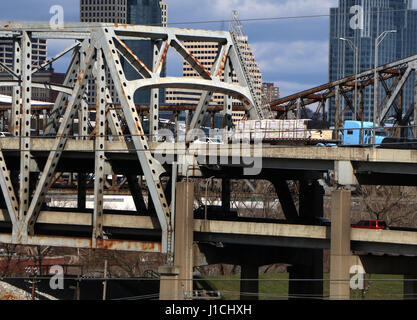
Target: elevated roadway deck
x,y
146,230
370,165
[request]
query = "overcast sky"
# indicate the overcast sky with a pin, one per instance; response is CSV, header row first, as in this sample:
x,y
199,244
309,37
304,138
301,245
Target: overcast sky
x,y
293,53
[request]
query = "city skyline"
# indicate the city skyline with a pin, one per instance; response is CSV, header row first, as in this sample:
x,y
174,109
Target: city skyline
x,y
292,53
392,16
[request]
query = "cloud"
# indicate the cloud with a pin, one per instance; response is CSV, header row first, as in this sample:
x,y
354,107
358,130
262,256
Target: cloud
x,y
56,46
272,8
287,88
297,57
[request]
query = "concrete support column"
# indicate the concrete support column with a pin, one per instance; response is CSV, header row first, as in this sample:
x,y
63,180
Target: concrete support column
x,y
311,201
168,283
410,287
286,200
136,192
340,253
81,190
177,282
311,270
226,194
415,104
249,286
308,262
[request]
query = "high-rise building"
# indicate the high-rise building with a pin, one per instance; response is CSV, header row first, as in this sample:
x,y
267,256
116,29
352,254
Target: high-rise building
x,y
269,92
42,76
164,9
152,13
111,11
39,56
39,52
362,21
105,11
206,53
139,12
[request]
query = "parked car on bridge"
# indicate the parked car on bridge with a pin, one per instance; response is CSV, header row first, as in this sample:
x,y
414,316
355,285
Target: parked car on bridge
x,y
371,224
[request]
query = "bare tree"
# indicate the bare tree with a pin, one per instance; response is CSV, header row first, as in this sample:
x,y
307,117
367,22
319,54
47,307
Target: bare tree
x,y
10,260
120,263
37,254
396,205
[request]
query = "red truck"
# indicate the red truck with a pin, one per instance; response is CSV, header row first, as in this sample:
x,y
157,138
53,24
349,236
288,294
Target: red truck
x,y
371,224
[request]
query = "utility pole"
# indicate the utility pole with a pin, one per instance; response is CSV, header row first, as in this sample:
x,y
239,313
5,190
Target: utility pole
x,y
356,63
378,41
33,287
105,280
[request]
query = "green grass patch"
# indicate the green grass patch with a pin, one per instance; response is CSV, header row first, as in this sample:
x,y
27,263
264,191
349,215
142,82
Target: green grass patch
x,y
275,287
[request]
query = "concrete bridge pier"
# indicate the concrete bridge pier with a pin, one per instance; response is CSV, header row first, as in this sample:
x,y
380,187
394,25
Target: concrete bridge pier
x,y
340,252
226,194
177,280
309,262
249,284
410,287
81,191
306,276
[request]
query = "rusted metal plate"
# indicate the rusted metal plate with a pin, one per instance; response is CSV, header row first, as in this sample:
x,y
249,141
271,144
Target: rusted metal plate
x,y
73,242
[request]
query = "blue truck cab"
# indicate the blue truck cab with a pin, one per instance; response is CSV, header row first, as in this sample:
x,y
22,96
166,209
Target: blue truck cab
x,y
351,133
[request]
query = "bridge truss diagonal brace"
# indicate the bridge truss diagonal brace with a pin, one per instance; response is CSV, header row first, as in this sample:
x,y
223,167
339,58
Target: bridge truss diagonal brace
x,y
188,57
60,141
111,114
152,169
83,108
8,192
250,104
394,95
113,121
70,79
158,58
216,71
227,103
133,60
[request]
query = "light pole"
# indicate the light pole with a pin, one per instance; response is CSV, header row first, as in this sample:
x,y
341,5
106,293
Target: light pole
x,y
205,208
355,50
378,41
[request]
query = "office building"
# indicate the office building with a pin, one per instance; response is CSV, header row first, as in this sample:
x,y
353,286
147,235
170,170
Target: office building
x,y
206,53
39,52
138,12
110,11
42,76
270,93
152,13
378,16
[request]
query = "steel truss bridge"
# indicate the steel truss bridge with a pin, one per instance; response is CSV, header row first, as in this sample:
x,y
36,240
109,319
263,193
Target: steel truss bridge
x,y
118,145
96,55
392,77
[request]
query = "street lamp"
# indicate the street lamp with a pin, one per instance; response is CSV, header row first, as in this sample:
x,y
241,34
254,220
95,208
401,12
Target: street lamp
x,y
355,50
378,41
205,207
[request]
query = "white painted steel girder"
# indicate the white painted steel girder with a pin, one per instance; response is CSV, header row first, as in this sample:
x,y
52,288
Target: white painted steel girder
x,y
96,49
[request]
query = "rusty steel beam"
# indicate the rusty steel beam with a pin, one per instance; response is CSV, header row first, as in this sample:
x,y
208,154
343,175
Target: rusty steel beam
x,y
346,85
77,242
